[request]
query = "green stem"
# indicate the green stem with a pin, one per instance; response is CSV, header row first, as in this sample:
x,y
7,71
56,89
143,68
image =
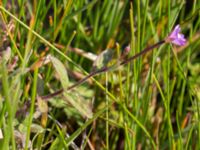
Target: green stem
x,y
107,115
9,129
40,37
33,97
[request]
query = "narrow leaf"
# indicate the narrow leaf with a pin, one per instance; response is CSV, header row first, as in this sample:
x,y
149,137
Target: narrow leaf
x,y
60,69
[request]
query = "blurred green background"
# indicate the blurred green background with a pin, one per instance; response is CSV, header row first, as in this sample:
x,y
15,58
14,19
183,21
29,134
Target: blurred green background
x,y
46,46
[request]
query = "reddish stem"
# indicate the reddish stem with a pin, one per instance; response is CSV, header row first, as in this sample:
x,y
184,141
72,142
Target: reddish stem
x,y
104,69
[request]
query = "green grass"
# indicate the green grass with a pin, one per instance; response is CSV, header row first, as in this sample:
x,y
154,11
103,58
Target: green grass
x,y
149,103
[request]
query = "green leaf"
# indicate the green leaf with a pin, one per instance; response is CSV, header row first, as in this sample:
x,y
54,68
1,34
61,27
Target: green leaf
x,y
42,106
55,144
72,98
60,69
57,102
103,59
35,128
83,106
175,12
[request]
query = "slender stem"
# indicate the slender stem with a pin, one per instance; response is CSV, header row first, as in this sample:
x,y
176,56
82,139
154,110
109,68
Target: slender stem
x,y
40,37
33,98
9,131
104,69
92,74
107,115
142,52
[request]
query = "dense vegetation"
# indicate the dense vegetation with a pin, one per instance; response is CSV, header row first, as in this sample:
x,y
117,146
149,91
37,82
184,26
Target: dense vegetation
x,y
48,47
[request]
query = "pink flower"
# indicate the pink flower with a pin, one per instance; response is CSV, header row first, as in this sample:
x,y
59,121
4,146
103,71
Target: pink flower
x,y
127,49
176,37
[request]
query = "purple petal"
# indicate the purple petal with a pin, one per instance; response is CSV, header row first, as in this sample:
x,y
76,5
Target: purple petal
x,y
176,37
177,29
175,32
179,41
181,36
